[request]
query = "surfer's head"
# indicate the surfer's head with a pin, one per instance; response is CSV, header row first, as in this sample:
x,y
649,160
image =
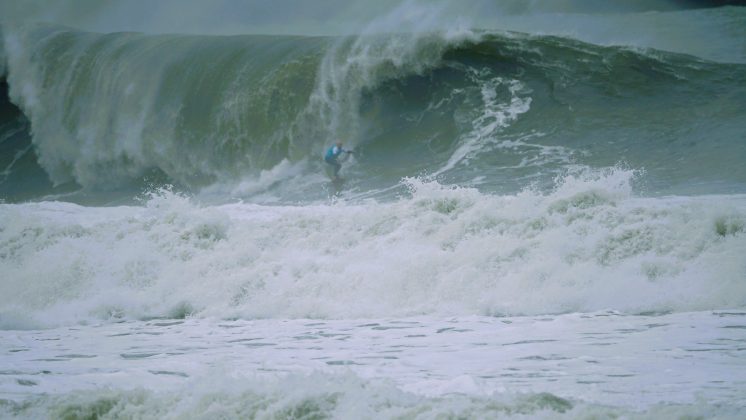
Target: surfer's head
x,y
339,143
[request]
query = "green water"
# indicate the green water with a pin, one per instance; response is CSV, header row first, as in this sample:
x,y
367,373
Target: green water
x,y
115,113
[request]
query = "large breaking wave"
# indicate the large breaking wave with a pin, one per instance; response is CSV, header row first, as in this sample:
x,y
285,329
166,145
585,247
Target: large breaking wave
x,y
499,110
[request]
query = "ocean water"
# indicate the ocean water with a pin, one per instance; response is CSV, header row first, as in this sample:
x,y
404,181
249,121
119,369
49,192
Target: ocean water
x,y
545,216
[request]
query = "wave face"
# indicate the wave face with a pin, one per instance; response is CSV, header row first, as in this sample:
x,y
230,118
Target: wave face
x,y
588,246
106,109
499,111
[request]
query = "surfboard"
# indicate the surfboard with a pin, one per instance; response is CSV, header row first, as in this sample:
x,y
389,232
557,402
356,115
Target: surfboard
x,y
329,169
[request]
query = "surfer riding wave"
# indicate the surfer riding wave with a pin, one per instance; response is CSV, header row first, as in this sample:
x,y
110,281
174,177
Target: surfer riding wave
x,y
332,158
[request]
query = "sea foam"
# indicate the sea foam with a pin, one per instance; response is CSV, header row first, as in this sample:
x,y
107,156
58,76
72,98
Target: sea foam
x,y
588,245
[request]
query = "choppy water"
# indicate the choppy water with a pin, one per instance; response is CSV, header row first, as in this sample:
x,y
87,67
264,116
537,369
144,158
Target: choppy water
x,y
420,367
538,221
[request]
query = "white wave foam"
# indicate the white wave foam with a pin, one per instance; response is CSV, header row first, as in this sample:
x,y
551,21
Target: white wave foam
x,y
251,186
496,115
589,245
229,394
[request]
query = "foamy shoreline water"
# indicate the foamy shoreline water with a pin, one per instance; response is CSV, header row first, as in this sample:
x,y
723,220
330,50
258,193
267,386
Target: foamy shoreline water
x,y
569,365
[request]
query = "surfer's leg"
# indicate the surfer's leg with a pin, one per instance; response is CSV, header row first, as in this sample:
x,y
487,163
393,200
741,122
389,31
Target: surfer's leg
x,y
337,167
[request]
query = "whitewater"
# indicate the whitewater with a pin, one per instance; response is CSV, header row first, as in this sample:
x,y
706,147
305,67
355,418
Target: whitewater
x,y
545,216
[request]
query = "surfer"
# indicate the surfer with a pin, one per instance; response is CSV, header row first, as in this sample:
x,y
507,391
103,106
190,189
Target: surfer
x,y
331,156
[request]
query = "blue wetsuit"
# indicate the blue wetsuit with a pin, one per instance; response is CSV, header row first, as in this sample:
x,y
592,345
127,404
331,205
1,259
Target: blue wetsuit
x,y
331,158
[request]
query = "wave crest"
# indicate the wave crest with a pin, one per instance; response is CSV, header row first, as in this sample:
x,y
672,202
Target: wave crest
x,y
108,110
